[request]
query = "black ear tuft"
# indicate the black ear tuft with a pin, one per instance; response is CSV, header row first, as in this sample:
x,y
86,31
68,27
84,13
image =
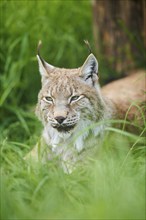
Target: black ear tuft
x,y
39,46
88,46
38,52
44,67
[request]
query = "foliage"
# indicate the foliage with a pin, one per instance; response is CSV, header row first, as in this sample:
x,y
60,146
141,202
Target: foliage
x,y
112,187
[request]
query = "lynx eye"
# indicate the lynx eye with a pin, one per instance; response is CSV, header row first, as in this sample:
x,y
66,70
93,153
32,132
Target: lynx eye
x,y
74,98
48,99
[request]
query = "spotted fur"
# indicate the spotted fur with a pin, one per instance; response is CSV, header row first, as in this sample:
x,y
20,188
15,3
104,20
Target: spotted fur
x,y
72,95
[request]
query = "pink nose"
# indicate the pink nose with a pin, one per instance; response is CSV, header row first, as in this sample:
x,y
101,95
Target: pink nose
x,y
59,119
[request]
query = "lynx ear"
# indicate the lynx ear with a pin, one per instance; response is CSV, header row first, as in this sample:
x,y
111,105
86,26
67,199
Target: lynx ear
x,y
44,67
89,70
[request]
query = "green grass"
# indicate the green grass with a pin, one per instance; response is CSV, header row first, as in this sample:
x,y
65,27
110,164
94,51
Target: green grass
x,y
110,185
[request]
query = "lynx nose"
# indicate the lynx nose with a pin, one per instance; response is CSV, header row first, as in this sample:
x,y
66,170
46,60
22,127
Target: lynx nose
x,y
59,119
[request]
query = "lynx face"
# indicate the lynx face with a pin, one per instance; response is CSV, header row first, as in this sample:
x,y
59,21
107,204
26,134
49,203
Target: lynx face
x,y
68,95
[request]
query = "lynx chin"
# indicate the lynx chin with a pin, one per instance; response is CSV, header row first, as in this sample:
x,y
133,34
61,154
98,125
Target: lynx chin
x,y
69,103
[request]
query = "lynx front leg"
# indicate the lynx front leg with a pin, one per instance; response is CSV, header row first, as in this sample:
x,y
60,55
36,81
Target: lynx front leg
x,y
33,154
69,160
39,153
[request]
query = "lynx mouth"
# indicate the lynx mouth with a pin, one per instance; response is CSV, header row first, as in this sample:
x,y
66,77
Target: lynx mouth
x,y
63,128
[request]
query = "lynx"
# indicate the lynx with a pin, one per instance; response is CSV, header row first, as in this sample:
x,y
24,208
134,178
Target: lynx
x,y
69,103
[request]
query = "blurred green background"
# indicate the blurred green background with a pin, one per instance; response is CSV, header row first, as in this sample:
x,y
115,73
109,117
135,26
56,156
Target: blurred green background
x,y
110,188
61,25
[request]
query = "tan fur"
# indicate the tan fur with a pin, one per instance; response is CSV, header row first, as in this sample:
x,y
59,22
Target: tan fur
x,y
59,87
128,94
61,84
74,96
